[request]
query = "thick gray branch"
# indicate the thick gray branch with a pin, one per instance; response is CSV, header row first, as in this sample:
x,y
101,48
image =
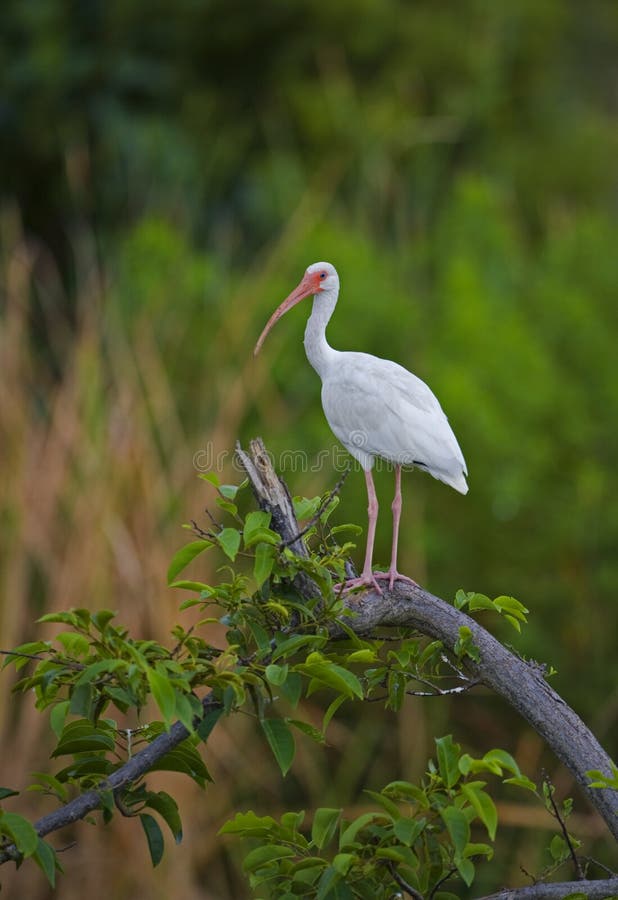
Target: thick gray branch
x,y
594,890
128,774
522,684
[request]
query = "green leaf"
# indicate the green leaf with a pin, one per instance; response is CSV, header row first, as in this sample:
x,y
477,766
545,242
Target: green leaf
x,y
276,674
7,792
227,505
211,477
46,859
292,689
386,803
249,825
81,700
503,759
465,646
330,712
483,805
558,848
229,541
457,826
290,645
256,530
324,826
314,733
480,601
261,856
305,508
350,832
265,555
77,737
196,586
96,669
479,850
49,784
448,759
461,599
466,869
32,648
281,741
101,619
184,758
167,808
333,676
75,645
512,606
208,722
522,781
342,862
154,836
184,556
407,830
163,693
327,885
365,655
20,831
229,491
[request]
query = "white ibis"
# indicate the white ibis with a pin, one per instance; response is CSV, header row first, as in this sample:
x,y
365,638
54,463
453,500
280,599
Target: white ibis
x,y
377,409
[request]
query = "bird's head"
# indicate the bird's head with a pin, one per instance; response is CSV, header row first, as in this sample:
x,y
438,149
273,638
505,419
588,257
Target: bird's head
x,y
319,277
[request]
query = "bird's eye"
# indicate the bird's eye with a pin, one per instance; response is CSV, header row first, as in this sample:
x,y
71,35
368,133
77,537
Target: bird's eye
x,y
322,275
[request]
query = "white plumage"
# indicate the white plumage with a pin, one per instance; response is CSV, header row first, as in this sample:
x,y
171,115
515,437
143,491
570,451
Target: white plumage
x,y
376,408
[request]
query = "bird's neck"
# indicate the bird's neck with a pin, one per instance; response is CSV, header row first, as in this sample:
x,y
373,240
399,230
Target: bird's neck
x,y
319,352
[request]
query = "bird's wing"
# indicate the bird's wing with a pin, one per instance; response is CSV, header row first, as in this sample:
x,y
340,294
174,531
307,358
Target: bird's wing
x,y
377,408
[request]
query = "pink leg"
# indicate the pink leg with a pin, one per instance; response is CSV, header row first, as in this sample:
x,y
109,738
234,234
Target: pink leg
x,y
367,578
392,574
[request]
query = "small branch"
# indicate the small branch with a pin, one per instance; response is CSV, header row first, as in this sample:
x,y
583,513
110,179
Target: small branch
x,y
437,692
595,862
579,872
403,884
440,882
335,491
199,532
593,890
130,772
53,657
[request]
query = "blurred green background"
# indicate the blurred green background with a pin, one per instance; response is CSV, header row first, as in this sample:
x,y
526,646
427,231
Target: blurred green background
x,y
167,172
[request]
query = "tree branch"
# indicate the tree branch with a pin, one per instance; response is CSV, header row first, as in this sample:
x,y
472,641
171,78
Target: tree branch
x,y
579,872
593,890
519,682
129,773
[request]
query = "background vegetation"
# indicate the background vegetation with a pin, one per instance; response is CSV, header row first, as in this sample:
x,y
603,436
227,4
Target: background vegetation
x,y
168,171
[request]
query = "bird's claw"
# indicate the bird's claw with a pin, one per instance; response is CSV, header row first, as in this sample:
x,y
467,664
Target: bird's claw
x,y
393,575
363,581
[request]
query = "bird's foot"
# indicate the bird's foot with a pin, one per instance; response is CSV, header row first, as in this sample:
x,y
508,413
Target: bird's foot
x,y
362,582
393,575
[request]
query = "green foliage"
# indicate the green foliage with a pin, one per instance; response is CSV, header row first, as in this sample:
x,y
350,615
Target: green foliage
x,y
278,650
19,834
422,834
602,780
512,610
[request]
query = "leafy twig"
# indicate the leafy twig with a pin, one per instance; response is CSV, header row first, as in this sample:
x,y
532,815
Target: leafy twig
x,y
440,882
403,884
579,872
312,521
53,657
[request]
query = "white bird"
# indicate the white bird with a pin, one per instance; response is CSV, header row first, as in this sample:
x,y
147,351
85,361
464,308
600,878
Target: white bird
x,y
377,409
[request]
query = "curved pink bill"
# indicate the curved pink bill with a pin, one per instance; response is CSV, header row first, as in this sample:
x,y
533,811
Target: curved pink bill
x,y
306,287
